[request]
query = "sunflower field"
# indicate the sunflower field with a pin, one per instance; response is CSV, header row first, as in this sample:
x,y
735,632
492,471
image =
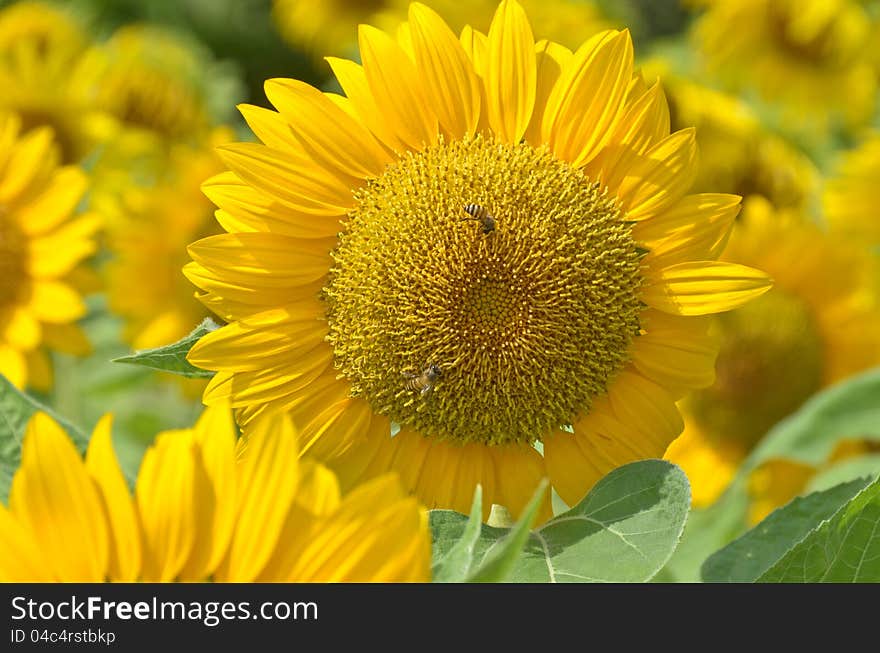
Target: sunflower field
x,y
529,291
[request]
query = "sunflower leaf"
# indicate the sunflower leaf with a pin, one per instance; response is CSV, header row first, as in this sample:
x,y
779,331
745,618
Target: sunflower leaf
x,y
16,409
625,530
499,561
842,549
750,556
453,565
172,358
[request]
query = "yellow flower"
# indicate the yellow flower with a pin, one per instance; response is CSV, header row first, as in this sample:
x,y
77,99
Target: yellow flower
x,y
40,246
199,514
813,56
147,241
41,77
321,27
361,292
152,82
737,155
852,195
819,324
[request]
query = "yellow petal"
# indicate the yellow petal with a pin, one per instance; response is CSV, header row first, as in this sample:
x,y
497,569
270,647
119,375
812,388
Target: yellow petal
x,y
166,496
660,177
697,227
396,88
336,429
675,352
58,252
704,287
377,535
266,480
20,559
551,58
53,494
215,435
353,80
588,100
101,463
293,180
451,85
68,338
21,330
270,127
39,370
55,302
30,156
13,365
256,342
511,72
330,135
55,203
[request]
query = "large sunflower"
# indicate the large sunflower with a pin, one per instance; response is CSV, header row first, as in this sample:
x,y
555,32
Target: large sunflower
x,y
40,246
852,195
819,324
199,514
365,285
813,56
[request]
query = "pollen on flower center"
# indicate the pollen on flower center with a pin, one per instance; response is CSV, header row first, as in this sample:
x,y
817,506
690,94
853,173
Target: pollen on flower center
x,y
12,260
769,363
526,323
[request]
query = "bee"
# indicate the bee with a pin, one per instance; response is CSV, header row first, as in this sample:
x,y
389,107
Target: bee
x,y
422,381
481,215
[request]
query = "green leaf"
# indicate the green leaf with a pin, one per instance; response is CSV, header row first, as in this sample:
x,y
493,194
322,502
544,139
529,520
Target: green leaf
x,y
842,549
623,531
499,561
745,559
16,409
452,565
172,358
847,410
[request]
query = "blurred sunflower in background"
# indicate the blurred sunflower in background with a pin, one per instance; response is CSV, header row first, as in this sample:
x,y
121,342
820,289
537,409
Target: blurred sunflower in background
x,y
819,324
852,195
42,241
330,27
147,247
198,513
812,57
41,74
487,242
737,153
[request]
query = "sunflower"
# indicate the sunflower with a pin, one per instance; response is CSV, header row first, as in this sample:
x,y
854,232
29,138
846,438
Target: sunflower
x,y
40,246
200,514
322,27
147,243
487,243
737,154
40,53
819,324
852,195
812,56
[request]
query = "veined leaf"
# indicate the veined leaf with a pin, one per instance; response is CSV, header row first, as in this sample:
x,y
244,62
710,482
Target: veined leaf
x,y
172,358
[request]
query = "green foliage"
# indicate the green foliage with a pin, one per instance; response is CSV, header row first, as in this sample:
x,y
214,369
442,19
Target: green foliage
x,y
848,410
16,409
172,358
623,531
750,556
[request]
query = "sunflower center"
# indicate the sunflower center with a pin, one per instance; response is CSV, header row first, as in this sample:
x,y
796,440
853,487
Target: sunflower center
x,y
12,260
483,292
769,363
